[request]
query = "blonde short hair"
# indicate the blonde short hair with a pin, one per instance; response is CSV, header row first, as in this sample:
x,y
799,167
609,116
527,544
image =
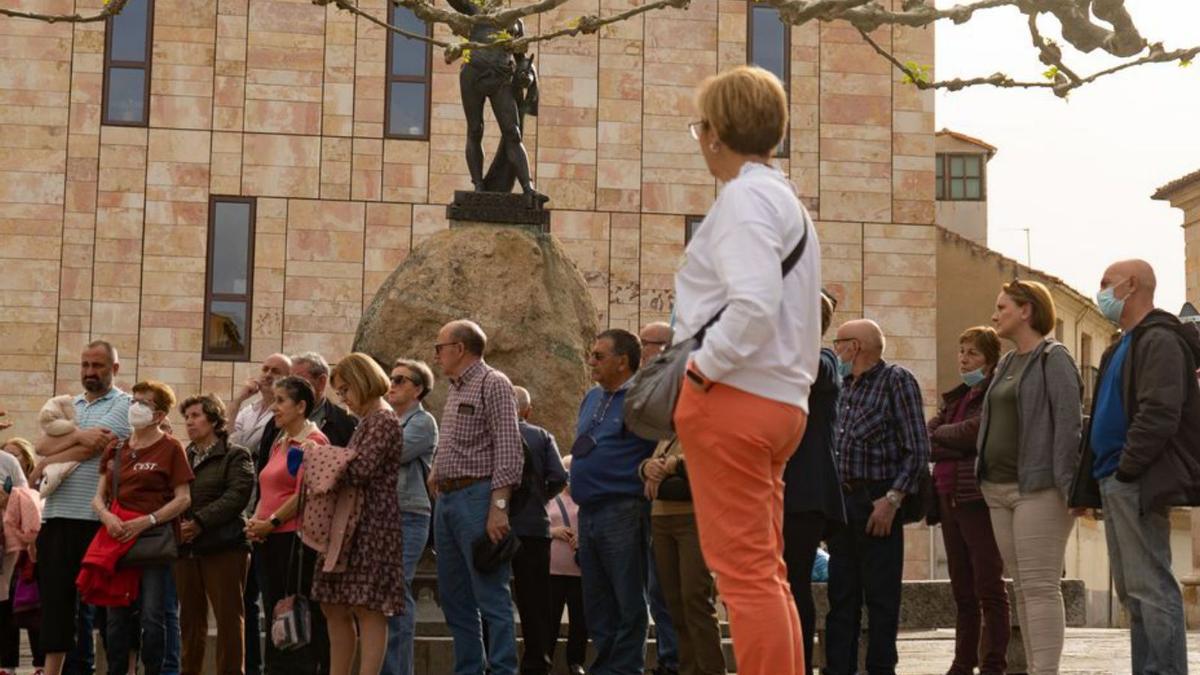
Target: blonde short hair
x,y
25,455
746,107
362,375
1035,295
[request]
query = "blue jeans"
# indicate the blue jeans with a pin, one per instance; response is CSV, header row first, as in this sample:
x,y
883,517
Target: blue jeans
x,y
614,542
152,604
402,628
1139,553
82,659
173,640
666,640
466,594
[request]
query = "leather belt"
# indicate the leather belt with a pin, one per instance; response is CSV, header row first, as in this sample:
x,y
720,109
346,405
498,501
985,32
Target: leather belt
x,y
455,484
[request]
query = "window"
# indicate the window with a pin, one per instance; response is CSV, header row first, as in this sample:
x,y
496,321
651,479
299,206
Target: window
x,y
406,106
769,47
690,223
1085,349
128,43
230,283
1058,330
960,177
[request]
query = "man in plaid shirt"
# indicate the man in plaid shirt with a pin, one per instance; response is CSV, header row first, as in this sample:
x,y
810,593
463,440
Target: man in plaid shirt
x,y
882,448
476,466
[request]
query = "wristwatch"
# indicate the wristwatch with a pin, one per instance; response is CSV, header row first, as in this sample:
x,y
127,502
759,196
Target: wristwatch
x,y
275,522
153,520
895,497
500,503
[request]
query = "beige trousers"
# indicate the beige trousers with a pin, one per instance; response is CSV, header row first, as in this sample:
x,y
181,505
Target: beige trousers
x,y
1031,532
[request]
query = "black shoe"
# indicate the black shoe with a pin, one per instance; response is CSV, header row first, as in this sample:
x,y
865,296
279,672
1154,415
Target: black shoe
x,y
663,670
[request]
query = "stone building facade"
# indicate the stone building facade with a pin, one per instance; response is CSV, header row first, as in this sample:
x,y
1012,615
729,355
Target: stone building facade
x,y
105,228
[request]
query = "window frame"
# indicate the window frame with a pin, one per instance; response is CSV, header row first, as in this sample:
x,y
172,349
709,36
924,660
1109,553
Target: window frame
x,y
146,66
211,297
943,192
389,79
690,223
785,146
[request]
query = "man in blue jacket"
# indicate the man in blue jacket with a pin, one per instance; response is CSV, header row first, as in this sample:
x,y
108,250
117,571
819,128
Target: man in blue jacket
x,y
614,516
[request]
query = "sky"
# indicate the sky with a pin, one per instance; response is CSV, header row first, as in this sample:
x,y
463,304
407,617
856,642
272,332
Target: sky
x,y
1079,173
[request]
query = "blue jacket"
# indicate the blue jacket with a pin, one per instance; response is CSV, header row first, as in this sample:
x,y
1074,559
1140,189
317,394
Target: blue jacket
x,y
610,469
531,520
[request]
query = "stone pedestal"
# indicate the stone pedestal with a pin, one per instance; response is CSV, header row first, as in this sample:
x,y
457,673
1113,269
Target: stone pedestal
x,y
497,208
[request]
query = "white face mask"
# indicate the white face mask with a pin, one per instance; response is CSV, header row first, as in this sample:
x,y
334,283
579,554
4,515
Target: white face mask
x,y
140,415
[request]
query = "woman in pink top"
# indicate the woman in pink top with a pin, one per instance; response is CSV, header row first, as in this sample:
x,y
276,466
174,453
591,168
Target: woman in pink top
x,y
289,563
565,586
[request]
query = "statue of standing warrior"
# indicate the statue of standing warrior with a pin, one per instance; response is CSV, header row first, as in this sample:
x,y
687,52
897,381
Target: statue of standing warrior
x,y
498,76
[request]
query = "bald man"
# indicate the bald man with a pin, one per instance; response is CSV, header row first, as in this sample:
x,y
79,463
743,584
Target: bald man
x,y
251,419
1144,454
883,449
655,338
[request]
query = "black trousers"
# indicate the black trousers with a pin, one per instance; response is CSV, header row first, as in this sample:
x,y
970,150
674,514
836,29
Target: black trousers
x,y
531,585
862,569
801,537
252,637
61,545
10,640
280,568
568,592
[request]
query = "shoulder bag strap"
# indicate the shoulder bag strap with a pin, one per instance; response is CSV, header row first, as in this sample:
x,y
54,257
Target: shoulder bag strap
x,y
562,508
116,471
789,263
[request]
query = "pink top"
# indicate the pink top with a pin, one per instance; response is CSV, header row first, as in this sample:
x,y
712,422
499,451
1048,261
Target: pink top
x,y
562,556
276,485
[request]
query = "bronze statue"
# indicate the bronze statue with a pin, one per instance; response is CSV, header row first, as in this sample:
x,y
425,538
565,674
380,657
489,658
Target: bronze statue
x,y
510,83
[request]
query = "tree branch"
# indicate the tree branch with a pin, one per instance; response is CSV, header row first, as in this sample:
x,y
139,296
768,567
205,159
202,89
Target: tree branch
x,y
111,8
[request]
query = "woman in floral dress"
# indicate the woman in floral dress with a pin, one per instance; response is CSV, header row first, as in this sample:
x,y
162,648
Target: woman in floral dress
x,y
370,587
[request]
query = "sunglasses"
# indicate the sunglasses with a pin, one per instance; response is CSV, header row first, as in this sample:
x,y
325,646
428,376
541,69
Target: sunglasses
x,y
398,380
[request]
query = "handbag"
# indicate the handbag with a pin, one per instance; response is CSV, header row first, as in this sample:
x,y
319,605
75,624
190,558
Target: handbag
x,y
291,618
654,390
155,546
675,487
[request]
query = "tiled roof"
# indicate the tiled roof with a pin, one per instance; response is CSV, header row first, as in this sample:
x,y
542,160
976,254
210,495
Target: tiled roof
x,y
1165,191
969,139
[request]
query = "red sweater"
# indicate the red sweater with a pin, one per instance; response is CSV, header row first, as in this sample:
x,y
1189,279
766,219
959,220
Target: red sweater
x,y
99,581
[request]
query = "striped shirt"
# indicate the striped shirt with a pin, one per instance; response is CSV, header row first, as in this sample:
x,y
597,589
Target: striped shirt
x,y
881,427
479,436
73,498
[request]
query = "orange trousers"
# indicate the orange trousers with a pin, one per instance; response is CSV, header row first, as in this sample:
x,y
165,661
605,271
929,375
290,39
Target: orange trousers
x,y
736,445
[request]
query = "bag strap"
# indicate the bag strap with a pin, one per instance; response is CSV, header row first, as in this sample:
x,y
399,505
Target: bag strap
x,y
116,472
297,550
562,508
788,264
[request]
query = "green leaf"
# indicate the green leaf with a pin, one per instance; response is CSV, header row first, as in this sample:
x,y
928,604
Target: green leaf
x,y
574,23
1185,63
915,72
1051,73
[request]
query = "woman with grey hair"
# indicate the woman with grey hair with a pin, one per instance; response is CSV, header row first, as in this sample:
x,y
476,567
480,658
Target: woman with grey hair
x,y
411,382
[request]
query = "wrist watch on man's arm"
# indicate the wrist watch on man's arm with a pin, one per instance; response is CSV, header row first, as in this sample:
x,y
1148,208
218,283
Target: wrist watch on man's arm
x,y
895,497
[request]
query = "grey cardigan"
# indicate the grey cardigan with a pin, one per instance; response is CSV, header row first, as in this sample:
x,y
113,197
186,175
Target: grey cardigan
x,y
1049,419
420,439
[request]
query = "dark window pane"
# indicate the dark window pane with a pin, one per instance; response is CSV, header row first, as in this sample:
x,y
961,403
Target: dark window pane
x,y
770,45
972,188
408,56
231,232
126,95
406,109
129,32
941,187
940,163
227,327
956,188
972,165
956,166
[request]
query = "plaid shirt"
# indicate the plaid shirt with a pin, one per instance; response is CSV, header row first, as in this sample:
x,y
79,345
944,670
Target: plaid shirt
x,y
479,435
881,427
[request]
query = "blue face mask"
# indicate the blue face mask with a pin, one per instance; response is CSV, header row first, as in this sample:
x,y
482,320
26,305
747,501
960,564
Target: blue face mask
x,y
1110,306
974,377
844,368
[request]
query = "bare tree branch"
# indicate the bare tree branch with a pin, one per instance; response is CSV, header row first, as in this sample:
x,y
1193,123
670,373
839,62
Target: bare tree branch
x,y
111,8
1087,26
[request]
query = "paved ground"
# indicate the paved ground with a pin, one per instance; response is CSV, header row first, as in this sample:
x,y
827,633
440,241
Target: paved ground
x,y
1088,651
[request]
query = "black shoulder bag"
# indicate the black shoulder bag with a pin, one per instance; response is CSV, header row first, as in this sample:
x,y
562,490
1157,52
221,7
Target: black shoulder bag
x,y
155,546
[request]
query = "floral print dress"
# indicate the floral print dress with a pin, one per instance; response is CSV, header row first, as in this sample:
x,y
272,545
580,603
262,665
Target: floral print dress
x,y
374,572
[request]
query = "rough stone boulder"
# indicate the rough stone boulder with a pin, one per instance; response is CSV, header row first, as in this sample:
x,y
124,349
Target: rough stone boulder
x,y
524,292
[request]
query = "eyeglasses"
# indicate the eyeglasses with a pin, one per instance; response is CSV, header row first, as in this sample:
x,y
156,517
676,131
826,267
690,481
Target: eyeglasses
x,y
654,342
837,341
695,127
399,380
437,348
